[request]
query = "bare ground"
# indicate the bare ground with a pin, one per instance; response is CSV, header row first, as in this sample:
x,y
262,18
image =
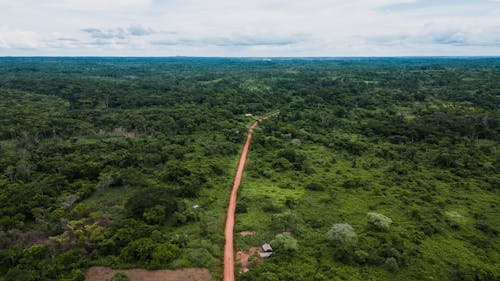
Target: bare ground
x,y
243,258
247,233
99,273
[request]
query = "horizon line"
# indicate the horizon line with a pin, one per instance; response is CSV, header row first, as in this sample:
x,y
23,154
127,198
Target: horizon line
x,y
257,57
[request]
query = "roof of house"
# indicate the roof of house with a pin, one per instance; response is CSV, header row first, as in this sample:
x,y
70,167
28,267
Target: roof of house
x,y
265,255
267,248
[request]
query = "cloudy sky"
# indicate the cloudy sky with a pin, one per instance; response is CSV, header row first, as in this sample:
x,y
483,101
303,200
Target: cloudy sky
x,y
250,27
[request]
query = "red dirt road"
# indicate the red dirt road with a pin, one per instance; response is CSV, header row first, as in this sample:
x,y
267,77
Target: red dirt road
x,y
228,248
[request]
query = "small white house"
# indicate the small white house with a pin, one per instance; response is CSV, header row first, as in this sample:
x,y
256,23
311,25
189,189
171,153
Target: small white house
x,y
267,248
265,255
249,115
267,251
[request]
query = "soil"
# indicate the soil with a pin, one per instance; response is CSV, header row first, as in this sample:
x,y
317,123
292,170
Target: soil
x,y
242,258
99,273
247,233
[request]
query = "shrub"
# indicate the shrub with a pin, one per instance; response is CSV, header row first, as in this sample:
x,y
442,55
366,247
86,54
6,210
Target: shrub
x,y
200,258
361,256
154,215
143,199
241,207
290,202
315,186
269,207
164,253
139,250
391,264
281,164
353,182
284,220
494,182
455,219
285,242
379,221
120,276
342,233
285,185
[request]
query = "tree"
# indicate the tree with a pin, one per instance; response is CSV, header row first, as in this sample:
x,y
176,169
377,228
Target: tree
x,y
379,221
139,250
154,215
142,200
164,253
284,220
343,234
391,264
284,242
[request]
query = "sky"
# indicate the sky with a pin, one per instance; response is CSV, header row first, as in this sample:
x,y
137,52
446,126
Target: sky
x,y
244,28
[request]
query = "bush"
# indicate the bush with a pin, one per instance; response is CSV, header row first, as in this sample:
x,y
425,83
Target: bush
x,y
286,185
284,220
154,215
379,221
138,250
241,207
391,264
361,256
343,234
120,276
164,253
284,242
494,182
353,182
281,164
200,258
269,207
315,186
142,200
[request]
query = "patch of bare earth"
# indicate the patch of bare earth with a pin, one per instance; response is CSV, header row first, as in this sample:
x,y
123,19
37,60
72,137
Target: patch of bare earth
x,y
247,233
100,273
244,258
29,238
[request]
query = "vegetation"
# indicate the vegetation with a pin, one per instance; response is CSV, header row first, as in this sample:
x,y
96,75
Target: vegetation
x,y
383,169
379,221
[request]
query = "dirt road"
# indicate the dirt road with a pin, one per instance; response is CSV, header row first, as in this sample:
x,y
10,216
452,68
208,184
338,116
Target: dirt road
x,y
228,248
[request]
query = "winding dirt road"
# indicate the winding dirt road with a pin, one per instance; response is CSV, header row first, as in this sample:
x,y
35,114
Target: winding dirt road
x,y
228,248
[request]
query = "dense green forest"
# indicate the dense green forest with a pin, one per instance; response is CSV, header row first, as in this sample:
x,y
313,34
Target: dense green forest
x,y
375,169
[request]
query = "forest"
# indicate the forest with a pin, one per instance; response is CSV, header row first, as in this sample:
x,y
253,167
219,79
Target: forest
x,y
375,168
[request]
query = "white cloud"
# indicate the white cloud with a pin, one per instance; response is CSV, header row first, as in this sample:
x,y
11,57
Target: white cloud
x,y
19,39
96,5
249,28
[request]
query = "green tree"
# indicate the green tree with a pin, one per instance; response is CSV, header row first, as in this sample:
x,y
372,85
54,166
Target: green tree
x,y
284,242
154,215
164,253
139,250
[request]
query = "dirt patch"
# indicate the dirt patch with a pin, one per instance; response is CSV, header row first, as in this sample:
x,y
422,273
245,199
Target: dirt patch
x,y
29,238
244,258
99,273
247,233
130,135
